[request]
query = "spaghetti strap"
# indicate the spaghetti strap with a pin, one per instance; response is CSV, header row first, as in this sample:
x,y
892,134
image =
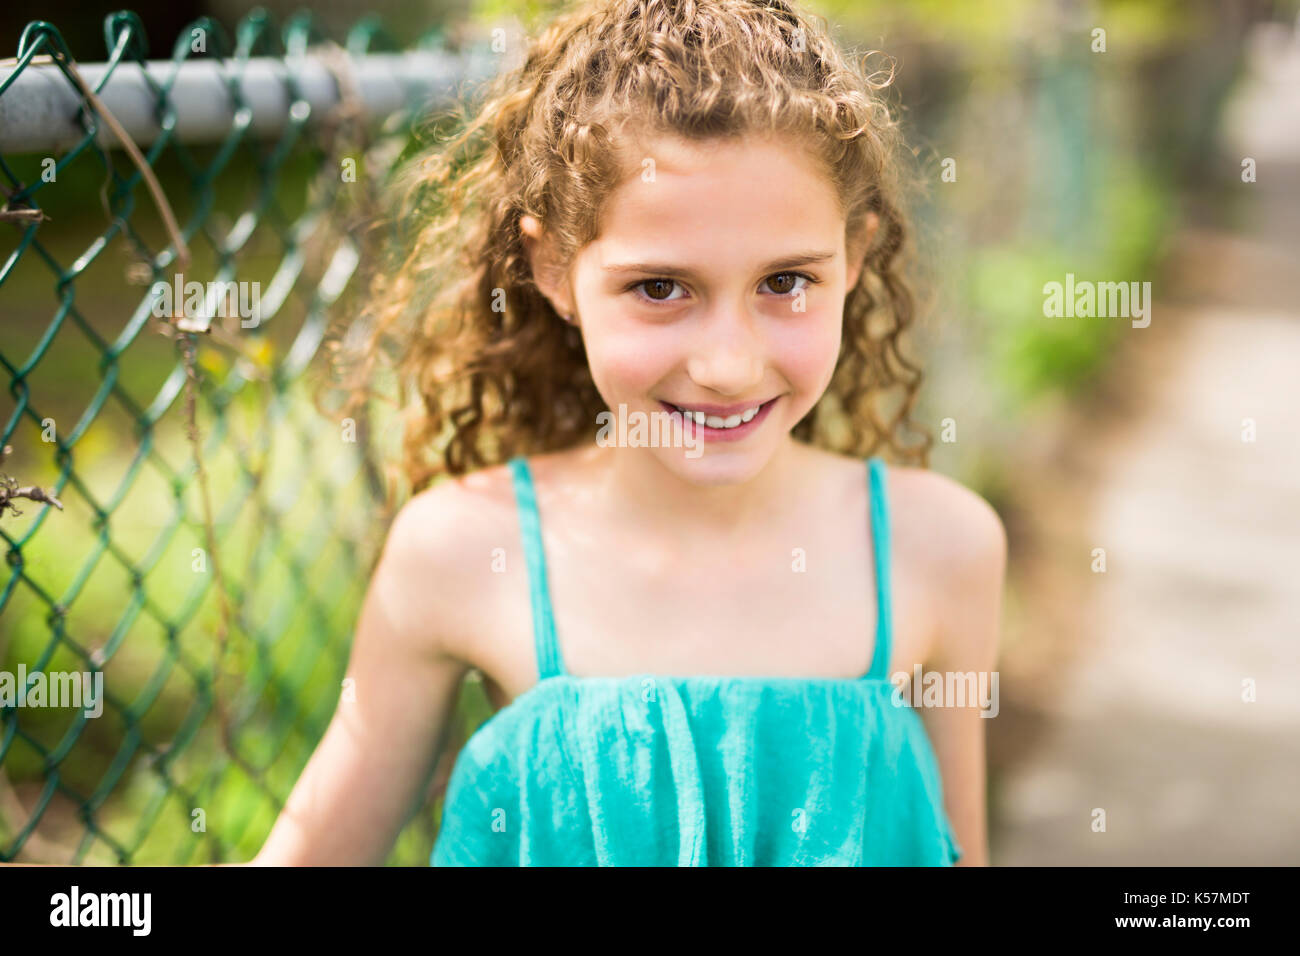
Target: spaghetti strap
x,y
549,662
880,560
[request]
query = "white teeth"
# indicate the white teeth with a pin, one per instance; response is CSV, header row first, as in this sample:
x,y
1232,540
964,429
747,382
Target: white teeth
x,y
717,421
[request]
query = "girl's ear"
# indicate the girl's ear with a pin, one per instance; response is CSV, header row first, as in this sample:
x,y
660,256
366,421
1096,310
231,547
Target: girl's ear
x,y
858,246
547,272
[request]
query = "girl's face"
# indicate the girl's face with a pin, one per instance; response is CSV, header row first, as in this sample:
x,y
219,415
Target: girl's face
x,y
716,285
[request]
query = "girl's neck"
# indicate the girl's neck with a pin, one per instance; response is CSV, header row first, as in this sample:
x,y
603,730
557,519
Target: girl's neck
x,y
632,484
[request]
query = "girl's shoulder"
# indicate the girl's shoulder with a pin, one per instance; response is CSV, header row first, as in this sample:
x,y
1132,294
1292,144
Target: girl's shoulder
x,y
942,520
947,553
938,514
938,526
442,549
951,547
443,519
453,541
459,514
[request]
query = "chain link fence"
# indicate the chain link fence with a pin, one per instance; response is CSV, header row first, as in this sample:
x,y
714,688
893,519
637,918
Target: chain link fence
x,y
186,537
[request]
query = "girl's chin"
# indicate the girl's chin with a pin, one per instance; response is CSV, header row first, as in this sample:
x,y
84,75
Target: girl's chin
x,y
718,465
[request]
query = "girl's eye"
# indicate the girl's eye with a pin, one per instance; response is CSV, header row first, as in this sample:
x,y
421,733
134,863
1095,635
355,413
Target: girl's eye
x,y
786,279
659,290
781,283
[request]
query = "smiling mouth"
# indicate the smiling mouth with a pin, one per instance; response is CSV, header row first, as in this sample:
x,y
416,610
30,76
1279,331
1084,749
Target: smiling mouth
x,y
720,422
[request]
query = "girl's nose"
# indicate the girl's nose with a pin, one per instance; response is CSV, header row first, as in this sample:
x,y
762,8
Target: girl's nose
x,y
731,363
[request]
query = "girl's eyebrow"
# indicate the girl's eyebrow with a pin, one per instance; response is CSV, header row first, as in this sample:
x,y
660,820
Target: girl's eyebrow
x,y
785,262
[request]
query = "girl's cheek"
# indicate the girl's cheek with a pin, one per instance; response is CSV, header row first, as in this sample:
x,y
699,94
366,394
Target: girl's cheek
x,y
629,362
805,352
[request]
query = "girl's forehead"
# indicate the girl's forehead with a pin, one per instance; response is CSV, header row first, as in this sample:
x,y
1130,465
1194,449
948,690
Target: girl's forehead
x,y
684,156
753,187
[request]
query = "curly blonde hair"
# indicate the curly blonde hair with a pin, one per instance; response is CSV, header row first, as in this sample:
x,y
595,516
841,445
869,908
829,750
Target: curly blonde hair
x,y
497,372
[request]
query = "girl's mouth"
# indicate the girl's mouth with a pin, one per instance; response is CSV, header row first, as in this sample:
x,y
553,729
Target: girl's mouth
x,y
717,428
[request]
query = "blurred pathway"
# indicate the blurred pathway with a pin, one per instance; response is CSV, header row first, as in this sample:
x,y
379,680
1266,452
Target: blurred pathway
x,y
1202,537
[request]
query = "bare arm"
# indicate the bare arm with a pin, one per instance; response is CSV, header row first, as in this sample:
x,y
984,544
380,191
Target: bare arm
x,y
372,768
972,569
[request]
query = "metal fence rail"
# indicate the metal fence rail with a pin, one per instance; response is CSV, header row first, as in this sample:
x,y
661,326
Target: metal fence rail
x,y
216,532
41,111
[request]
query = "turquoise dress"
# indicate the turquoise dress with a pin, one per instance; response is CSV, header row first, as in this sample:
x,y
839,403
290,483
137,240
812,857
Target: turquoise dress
x,y
658,770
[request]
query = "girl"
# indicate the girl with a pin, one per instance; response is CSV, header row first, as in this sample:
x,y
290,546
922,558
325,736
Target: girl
x,y
687,208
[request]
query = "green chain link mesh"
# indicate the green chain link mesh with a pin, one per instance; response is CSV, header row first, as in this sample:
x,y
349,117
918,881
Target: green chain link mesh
x,y
204,729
